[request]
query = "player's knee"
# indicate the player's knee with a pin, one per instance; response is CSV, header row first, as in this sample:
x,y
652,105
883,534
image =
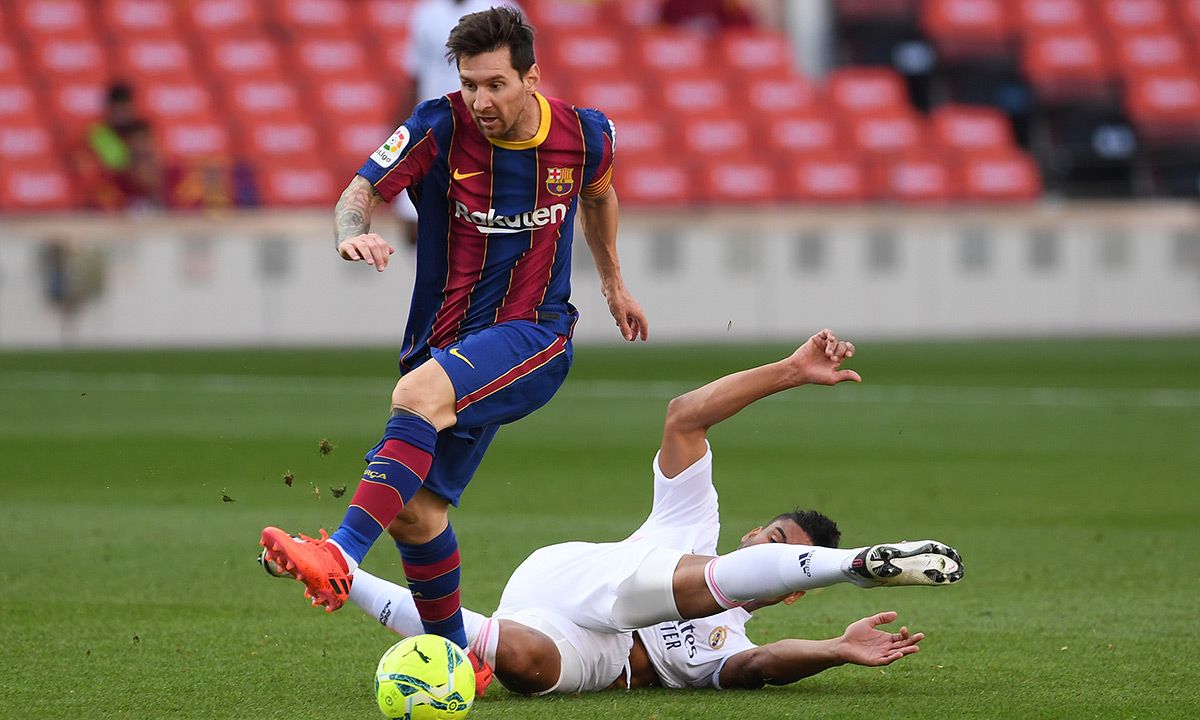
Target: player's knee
x,y
414,525
527,662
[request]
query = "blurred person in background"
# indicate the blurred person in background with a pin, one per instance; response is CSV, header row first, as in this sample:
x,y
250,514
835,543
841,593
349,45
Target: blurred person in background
x,y
122,163
497,171
432,74
708,16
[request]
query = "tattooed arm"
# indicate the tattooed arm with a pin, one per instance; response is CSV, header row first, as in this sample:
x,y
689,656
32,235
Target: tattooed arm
x,y
352,225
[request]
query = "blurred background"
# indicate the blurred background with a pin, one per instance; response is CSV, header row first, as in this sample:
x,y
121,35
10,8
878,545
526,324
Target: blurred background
x,y
928,168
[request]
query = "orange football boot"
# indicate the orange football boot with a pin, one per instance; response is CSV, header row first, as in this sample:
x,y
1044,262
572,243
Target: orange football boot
x,y
316,563
483,673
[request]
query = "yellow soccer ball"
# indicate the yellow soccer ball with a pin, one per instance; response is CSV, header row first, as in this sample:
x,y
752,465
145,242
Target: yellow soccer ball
x,y
425,677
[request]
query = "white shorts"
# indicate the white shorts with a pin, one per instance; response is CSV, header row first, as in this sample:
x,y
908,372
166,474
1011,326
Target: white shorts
x,y
573,588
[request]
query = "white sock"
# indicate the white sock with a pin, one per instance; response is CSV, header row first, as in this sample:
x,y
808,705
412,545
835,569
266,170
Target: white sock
x,y
485,639
392,605
351,563
775,569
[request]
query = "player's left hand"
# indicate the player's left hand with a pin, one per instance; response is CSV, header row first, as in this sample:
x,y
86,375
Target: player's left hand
x,y
864,644
628,313
820,359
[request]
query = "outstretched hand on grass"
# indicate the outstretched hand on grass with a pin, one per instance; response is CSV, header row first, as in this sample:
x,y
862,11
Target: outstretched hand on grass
x,y
864,644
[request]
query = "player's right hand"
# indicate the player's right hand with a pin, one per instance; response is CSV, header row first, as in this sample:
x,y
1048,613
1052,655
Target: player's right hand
x,y
368,247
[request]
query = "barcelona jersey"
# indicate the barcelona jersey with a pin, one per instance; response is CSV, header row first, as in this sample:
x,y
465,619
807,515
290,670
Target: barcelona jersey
x,y
495,217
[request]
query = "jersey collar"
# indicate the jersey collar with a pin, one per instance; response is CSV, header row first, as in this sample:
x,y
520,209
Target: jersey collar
x,y
538,137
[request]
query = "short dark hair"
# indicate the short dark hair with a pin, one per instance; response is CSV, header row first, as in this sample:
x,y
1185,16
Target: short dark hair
x,y
119,93
822,530
490,30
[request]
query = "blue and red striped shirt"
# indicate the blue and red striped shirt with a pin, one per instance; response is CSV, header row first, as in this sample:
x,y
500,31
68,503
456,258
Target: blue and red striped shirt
x,y
495,218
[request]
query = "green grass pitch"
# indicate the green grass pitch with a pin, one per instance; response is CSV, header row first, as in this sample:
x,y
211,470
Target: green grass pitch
x,y
1066,473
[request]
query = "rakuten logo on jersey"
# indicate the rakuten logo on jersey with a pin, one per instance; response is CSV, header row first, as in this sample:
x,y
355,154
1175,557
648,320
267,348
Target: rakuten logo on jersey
x,y
490,223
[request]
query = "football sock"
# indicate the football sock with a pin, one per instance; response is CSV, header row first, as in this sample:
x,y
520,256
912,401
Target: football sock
x,y
774,569
485,639
432,570
394,473
392,605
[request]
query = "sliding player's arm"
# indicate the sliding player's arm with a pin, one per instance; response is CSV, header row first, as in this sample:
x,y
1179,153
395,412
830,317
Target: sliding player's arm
x,y
689,416
786,661
352,224
598,215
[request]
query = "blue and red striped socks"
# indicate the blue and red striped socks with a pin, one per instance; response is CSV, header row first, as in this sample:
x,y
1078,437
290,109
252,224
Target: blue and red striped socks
x,y
395,471
432,570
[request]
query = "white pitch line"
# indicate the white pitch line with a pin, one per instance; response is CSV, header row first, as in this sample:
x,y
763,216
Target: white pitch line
x,y
1085,397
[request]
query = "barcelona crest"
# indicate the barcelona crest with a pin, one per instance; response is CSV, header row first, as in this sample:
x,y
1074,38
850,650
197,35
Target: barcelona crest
x,y
560,181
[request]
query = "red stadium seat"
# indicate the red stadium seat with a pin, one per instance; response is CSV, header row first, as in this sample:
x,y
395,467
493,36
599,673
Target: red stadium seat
x,y
672,51
1051,15
737,180
42,19
1165,108
221,18
594,52
998,177
361,99
74,105
126,19
717,136
873,11
244,58
175,101
1152,52
390,18
615,97
921,177
1068,66
11,67
280,139
77,59
148,59
887,133
26,141
330,57
653,182
392,59
349,144
634,14
1189,12
195,139
251,100
970,128
1122,16
807,133
777,94
640,136
695,94
832,178
18,103
288,185
864,89
40,185
314,18
966,29
761,51
555,16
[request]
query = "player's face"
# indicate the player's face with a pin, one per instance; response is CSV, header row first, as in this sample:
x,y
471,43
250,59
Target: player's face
x,y
501,100
779,531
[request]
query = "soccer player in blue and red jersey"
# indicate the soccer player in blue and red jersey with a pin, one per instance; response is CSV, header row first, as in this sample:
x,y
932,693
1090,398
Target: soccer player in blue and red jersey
x,y
496,172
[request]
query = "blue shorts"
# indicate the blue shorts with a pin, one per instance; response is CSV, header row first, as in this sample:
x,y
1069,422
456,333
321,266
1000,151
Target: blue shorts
x,y
500,374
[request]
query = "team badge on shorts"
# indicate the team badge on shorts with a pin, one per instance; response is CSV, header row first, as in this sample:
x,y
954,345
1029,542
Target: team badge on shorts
x,y
716,638
389,152
560,181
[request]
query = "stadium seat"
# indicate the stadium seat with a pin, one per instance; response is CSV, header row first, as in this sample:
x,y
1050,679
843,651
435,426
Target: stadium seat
x,y
887,133
32,186
1152,52
803,133
1122,16
1051,15
970,128
128,19
672,51
11,68
592,53
748,52
252,100
77,59
1189,13
392,59
222,18
641,132
831,178
726,136
695,94
1010,176
776,93
297,185
555,16
635,15
653,182
1068,66
875,11
25,141
865,89
389,18
325,19
349,144
967,29
74,105
737,180
151,59
194,139
1165,108
616,97
171,101
279,140
18,103
353,99
44,19
920,177
243,57
330,58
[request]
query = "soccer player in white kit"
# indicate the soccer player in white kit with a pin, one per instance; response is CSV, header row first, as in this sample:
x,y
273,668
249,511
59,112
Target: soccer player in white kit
x,y
660,608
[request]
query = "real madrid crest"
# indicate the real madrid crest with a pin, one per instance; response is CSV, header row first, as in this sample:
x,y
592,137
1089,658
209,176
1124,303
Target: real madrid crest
x,y
559,180
716,638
